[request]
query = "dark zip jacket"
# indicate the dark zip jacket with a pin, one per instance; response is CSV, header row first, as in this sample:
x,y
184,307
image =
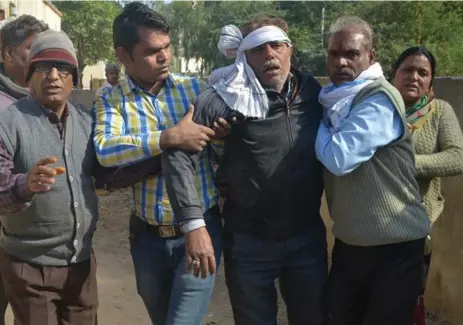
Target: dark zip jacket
x,y
274,179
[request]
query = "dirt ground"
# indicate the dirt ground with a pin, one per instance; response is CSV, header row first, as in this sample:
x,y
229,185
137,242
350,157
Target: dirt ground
x,y
119,302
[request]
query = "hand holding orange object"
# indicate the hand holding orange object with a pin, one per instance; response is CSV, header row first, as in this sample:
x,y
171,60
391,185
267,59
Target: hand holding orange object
x,y
41,177
60,170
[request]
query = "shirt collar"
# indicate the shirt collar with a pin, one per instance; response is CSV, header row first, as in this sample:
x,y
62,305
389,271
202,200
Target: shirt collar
x,y
52,117
128,85
288,87
291,82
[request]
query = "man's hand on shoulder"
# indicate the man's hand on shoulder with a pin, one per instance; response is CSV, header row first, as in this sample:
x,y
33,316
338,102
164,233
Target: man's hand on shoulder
x,y
186,135
222,128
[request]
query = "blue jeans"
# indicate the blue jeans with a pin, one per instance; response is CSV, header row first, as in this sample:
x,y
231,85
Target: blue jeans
x,y
253,264
171,295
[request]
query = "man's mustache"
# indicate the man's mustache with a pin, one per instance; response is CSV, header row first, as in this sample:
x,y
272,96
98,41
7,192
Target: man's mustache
x,y
270,65
345,71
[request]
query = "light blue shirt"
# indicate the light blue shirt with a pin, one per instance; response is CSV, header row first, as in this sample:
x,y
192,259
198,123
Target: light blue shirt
x,y
373,124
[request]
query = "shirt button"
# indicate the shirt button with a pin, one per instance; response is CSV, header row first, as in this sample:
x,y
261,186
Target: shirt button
x,y
78,225
76,204
71,178
66,152
73,259
75,242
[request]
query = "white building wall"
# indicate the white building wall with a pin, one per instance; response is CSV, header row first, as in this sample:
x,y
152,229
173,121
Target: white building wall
x,y
42,10
190,66
96,71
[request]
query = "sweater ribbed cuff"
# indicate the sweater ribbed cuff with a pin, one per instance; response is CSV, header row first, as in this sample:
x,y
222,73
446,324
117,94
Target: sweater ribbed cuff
x,y
188,214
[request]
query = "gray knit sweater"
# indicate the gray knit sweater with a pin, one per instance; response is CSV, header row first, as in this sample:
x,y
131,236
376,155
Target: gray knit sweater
x,y
379,203
55,227
438,143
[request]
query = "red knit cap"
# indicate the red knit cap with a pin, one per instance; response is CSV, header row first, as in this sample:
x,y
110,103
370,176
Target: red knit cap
x,y
52,46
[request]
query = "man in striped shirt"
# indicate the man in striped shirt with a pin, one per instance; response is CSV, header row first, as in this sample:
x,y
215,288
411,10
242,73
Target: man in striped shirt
x,y
138,119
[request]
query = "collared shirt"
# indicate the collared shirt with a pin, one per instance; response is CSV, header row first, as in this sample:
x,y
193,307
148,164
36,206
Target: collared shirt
x,y
59,122
290,86
128,125
104,86
374,124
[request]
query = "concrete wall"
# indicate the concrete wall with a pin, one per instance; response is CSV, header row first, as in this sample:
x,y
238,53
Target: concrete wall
x,y
445,291
83,97
93,72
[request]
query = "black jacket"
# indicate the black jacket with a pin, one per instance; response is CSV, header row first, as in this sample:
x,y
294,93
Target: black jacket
x,y
274,179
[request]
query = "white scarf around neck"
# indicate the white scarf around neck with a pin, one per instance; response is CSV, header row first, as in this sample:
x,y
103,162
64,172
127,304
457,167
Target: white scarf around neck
x,y
237,84
337,100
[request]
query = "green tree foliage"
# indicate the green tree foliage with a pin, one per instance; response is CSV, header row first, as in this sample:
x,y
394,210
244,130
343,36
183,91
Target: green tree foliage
x,y
196,25
195,28
89,26
397,24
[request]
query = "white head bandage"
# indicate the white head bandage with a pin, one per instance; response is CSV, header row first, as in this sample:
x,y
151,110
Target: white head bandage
x,y
229,41
237,84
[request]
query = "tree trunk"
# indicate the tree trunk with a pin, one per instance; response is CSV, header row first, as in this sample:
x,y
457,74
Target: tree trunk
x,y
420,26
81,75
80,85
81,64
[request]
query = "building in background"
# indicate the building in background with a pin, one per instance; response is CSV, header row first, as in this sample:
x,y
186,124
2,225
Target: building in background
x,y
191,67
41,9
93,76
180,64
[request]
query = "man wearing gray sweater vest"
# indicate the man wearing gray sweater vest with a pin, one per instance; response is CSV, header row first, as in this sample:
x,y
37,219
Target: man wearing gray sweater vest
x,y
48,205
16,37
372,195
49,210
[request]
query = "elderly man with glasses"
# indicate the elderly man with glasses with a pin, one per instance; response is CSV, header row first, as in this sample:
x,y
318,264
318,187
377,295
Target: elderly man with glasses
x,y
48,205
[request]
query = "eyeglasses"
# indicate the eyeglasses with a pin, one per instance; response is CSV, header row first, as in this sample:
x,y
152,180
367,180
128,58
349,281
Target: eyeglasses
x,y
64,70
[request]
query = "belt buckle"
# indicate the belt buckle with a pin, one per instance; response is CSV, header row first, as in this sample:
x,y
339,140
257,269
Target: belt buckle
x,y
167,231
